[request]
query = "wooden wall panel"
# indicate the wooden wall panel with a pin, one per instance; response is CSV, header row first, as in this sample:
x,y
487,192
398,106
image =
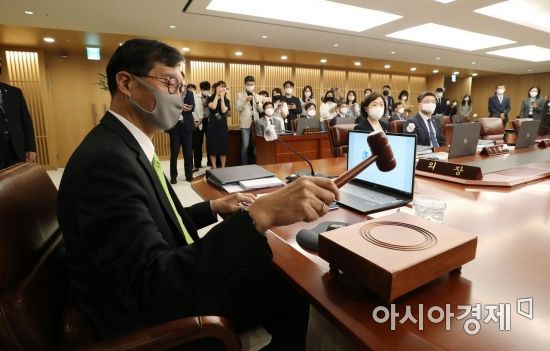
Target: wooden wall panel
x,y
435,81
457,90
275,76
398,83
416,86
378,80
237,72
309,76
333,79
358,82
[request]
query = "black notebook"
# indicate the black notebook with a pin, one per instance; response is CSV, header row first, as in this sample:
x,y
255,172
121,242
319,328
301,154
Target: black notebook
x,y
229,175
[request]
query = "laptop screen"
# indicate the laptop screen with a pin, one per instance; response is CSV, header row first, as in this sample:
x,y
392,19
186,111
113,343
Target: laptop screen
x,y
401,178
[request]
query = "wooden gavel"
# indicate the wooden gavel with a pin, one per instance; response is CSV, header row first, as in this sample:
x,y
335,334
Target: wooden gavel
x,y
381,153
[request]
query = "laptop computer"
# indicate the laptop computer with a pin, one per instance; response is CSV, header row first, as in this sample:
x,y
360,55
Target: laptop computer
x,y
345,120
373,190
307,123
232,175
464,140
527,134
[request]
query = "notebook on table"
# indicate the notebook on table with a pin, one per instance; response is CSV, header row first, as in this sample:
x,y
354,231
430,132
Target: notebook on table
x,y
232,175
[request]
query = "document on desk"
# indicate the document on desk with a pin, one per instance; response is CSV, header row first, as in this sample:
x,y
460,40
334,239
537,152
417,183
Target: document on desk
x,y
261,183
233,188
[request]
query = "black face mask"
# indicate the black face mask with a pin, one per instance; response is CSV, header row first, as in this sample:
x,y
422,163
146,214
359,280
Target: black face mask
x,y
386,93
329,98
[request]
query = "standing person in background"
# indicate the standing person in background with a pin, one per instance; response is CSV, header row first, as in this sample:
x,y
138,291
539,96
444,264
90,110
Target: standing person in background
x,y
545,122
248,106
466,107
403,97
307,98
398,112
181,135
276,92
338,97
533,106
217,132
453,108
440,103
366,93
328,108
205,94
17,142
280,109
354,108
388,99
198,134
499,105
293,103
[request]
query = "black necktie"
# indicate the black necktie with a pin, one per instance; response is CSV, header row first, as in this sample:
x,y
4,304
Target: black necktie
x,y
2,102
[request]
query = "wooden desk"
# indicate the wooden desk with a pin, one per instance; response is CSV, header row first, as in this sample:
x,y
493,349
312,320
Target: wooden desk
x,y
513,228
311,146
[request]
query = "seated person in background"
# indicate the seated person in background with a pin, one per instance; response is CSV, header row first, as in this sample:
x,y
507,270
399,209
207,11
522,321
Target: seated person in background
x,y
341,112
398,112
403,97
427,129
268,119
465,108
353,104
372,109
307,97
328,108
311,110
134,258
453,110
281,109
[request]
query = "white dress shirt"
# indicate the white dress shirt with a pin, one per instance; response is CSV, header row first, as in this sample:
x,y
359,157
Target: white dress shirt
x,y
143,140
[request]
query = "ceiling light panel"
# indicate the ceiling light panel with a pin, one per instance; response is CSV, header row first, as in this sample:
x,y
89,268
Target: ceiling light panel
x,y
531,53
439,35
529,13
320,13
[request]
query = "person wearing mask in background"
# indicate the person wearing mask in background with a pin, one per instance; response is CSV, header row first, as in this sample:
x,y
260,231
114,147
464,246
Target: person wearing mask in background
x,y
218,132
499,104
366,93
280,109
388,99
205,94
354,108
427,129
268,119
403,97
372,109
440,103
197,132
544,128
453,110
181,136
465,108
276,92
338,97
398,112
264,97
328,108
311,110
293,103
248,106
533,106
341,112
307,98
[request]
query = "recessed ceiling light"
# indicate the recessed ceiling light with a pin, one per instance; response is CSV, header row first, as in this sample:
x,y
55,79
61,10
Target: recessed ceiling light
x,y
49,40
413,69
387,66
336,45
393,52
357,63
172,26
328,14
238,53
444,1
473,63
284,57
531,53
528,13
449,37
323,60
435,71
438,58
29,13
264,36
185,49
474,74
456,72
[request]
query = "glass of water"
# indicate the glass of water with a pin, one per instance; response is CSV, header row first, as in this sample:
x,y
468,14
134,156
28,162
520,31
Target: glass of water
x,y
430,209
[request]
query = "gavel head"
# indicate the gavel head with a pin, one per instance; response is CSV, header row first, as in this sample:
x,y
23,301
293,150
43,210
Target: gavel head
x,y
380,146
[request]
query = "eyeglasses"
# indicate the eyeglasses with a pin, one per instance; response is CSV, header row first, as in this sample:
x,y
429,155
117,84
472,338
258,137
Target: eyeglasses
x,y
172,84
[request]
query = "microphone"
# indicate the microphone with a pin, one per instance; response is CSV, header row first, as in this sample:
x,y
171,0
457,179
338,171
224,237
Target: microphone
x,y
381,153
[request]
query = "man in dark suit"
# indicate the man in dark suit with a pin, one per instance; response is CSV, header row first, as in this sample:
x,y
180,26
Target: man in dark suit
x,y
181,136
388,99
427,129
17,142
499,104
441,107
134,258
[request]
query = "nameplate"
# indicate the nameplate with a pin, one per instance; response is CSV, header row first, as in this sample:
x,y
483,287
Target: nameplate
x,y
494,150
544,143
449,169
312,131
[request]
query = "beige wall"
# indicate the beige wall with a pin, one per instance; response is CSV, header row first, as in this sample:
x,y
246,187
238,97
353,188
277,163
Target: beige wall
x,y
457,90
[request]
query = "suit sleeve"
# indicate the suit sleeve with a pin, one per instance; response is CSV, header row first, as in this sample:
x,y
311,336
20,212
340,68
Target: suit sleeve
x,y
26,120
149,276
239,103
201,214
190,100
298,109
508,106
490,108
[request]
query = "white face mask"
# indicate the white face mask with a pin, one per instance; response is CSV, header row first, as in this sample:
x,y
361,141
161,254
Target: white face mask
x,y
466,99
269,111
311,113
307,94
401,110
454,103
439,95
500,91
376,112
250,88
351,98
288,91
533,93
344,110
428,108
404,98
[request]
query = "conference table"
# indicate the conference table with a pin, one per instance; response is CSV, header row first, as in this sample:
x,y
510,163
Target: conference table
x,y
512,262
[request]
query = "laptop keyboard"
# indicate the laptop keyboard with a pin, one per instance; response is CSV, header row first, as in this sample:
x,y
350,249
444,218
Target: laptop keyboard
x,y
367,194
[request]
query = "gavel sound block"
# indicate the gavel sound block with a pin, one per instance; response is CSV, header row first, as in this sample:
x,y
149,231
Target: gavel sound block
x,y
395,254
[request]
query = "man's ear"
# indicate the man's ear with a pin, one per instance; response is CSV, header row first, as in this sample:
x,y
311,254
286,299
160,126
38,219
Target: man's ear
x,y
124,82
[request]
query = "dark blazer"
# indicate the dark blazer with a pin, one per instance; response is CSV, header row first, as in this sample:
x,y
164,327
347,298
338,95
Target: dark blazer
x,y
538,110
128,263
441,107
389,105
17,120
365,125
421,131
397,117
496,108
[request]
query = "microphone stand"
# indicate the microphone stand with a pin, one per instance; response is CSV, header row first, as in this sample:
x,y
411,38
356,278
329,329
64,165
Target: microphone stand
x,y
300,155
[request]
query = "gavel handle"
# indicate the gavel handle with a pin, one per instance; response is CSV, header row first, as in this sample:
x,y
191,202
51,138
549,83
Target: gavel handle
x,y
347,176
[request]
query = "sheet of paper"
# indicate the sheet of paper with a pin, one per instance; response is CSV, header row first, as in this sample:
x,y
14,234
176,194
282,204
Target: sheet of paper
x,y
233,188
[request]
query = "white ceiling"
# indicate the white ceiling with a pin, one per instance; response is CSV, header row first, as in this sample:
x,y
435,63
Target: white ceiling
x,y
153,18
